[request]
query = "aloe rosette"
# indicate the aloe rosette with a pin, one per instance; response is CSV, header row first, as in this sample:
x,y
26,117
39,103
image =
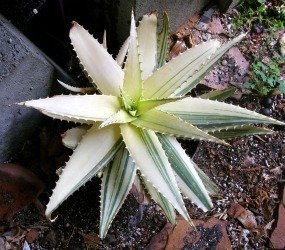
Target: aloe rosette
x,y
130,128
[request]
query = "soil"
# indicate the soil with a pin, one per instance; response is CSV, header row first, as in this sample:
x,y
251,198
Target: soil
x,y
249,172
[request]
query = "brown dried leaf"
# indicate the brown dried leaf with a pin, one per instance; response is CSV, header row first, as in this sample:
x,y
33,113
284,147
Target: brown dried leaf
x,y
19,187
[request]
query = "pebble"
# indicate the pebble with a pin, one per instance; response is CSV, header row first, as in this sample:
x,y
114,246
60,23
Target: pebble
x,y
224,62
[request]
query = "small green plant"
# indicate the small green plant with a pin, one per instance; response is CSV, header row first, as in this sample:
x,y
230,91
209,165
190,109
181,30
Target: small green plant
x,y
261,12
264,77
130,129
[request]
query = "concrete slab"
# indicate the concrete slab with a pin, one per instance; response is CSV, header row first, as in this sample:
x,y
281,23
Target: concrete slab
x,y
25,74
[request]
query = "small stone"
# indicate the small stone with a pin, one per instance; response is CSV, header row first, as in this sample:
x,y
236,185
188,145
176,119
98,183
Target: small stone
x,y
224,62
267,102
282,44
266,111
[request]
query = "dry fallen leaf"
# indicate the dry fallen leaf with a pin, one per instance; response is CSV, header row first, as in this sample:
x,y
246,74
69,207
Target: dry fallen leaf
x,y
245,216
19,187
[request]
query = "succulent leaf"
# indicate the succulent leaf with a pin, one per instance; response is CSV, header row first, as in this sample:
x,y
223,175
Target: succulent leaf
x,y
123,52
120,117
241,131
132,81
210,186
146,105
213,115
95,150
117,181
100,66
187,177
195,78
219,95
147,44
77,107
161,201
148,154
73,136
163,82
163,42
76,89
165,123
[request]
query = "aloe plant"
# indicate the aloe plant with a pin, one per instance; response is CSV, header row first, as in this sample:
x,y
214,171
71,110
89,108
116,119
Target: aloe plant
x,y
130,128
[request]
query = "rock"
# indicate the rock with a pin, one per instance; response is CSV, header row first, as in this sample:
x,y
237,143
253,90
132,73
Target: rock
x,y
178,12
211,234
227,5
282,44
215,26
25,73
277,238
240,61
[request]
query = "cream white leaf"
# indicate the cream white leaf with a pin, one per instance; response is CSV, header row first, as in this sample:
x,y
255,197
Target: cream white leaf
x,y
163,82
213,115
95,150
99,64
132,81
72,137
148,154
77,107
147,40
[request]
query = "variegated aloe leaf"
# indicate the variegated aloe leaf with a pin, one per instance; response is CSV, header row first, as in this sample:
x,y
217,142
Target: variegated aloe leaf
x,y
204,69
117,181
210,186
73,136
165,123
163,82
188,179
148,154
163,42
95,150
146,105
77,89
161,201
213,115
132,81
123,52
241,131
147,44
77,107
98,63
219,95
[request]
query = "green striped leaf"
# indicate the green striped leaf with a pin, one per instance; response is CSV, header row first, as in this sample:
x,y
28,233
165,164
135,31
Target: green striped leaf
x,y
204,69
163,42
163,82
161,201
146,105
77,107
164,123
241,131
117,181
219,95
213,115
94,151
148,154
210,186
147,44
187,177
132,81
104,71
